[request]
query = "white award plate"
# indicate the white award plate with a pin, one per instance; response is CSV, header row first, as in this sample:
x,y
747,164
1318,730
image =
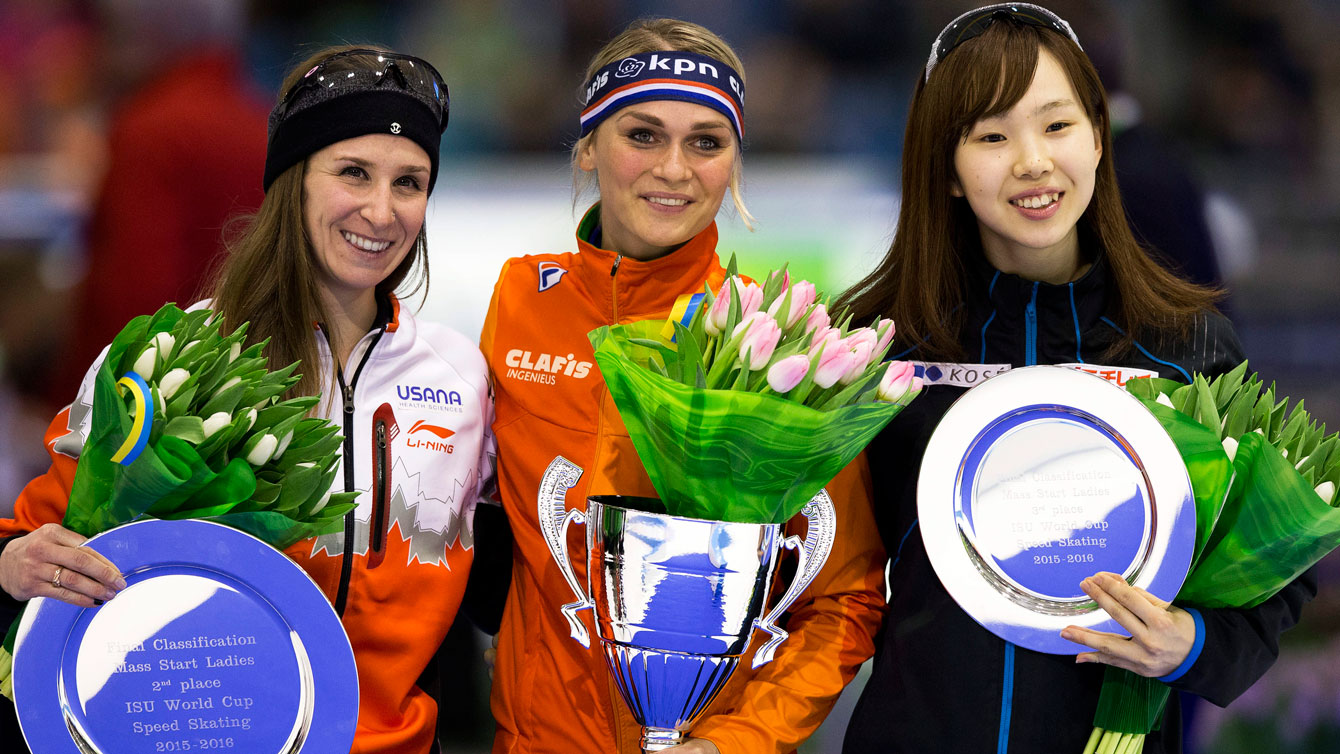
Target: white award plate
x,y
1039,478
219,642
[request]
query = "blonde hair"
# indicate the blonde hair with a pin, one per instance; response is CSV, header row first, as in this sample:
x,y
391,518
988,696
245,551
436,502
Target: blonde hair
x,y
654,35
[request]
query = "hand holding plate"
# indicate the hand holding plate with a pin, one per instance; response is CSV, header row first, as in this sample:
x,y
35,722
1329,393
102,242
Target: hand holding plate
x,y
1161,634
49,562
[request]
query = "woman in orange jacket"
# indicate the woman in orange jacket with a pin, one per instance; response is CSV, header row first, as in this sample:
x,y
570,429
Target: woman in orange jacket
x,y
661,139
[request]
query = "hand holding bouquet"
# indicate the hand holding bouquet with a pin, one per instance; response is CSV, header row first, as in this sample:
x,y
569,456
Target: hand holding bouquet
x,y
1264,480
186,423
744,405
203,434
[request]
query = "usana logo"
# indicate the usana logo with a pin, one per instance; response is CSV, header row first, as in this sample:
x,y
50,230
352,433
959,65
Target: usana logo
x,y
445,399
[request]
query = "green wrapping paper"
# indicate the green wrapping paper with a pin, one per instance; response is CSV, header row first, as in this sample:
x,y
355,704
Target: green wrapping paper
x,y
727,455
180,471
1259,522
1134,704
1260,545
173,478
1207,465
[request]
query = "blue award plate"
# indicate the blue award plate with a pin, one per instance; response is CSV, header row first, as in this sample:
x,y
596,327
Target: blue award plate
x,y
218,643
1039,478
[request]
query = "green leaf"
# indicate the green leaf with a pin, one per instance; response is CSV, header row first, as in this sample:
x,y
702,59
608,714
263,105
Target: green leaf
x,y
336,510
725,361
314,451
300,483
658,368
734,314
780,315
1238,418
181,402
690,359
272,416
772,287
849,392
1207,412
1226,386
1184,399
1142,388
742,376
1293,428
266,494
188,428
225,400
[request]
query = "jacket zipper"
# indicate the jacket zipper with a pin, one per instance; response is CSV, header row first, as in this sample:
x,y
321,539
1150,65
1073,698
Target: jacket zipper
x,y
1031,329
347,558
1007,686
614,320
614,289
377,537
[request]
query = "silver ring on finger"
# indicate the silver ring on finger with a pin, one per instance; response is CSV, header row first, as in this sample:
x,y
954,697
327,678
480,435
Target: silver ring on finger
x,y
55,580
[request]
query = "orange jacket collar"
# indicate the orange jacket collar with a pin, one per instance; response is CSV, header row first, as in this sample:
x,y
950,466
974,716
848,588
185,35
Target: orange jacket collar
x,y
648,287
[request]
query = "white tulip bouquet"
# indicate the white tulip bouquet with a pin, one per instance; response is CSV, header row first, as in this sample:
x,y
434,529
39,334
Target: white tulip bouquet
x,y
1264,479
186,423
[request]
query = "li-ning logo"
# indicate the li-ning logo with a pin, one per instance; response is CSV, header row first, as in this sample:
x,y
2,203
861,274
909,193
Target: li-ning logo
x,y
550,274
629,67
427,442
427,395
395,128
543,368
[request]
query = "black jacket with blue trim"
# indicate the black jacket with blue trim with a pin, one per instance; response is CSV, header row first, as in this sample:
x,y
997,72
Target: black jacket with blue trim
x,y
941,682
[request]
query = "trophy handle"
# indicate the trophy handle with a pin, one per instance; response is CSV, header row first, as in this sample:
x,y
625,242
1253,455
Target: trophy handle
x,y
813,553
561,476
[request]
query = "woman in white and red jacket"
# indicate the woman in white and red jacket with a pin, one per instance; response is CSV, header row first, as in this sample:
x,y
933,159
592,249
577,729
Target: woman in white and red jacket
x,y
352,157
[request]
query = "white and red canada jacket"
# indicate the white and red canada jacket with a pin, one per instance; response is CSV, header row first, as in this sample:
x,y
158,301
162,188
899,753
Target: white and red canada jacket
x,y
416,414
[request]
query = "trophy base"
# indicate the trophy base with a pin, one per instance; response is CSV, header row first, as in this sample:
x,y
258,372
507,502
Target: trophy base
x,y
660,739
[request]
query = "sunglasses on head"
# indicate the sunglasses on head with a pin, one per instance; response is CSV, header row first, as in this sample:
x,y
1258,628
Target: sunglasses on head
x,y
365,70
975,22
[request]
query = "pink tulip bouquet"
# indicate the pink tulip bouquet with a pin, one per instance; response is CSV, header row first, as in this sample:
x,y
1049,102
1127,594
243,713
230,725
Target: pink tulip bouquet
x,y
749,399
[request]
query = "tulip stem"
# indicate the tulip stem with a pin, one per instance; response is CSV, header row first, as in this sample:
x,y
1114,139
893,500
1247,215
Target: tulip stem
x,y
1094,737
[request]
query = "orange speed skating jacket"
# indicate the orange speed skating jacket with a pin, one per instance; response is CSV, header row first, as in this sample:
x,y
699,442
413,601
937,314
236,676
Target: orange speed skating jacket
x,y
549,693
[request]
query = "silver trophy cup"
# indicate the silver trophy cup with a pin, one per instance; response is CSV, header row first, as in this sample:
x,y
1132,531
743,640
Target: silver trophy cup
x,y
676,599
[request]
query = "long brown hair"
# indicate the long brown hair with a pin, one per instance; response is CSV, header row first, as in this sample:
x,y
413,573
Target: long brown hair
x,y
919,283
270,277
652,35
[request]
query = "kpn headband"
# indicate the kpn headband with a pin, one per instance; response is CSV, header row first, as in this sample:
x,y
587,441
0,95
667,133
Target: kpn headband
x,y
662,75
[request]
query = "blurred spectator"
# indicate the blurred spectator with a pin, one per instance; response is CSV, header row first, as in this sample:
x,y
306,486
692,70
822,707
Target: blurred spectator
x,y
157,224
1163,200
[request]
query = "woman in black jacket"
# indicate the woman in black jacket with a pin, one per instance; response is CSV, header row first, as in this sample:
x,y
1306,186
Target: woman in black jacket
x,y
1013,250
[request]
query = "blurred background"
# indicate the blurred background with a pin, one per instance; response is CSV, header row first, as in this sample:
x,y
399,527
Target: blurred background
x,y
131,131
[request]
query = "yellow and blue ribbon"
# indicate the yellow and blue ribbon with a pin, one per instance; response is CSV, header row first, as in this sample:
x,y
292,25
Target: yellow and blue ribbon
x,y
682,312
144,419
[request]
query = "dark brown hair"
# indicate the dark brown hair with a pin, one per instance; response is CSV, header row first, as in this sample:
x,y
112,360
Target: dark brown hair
x,y
919,283
270,277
